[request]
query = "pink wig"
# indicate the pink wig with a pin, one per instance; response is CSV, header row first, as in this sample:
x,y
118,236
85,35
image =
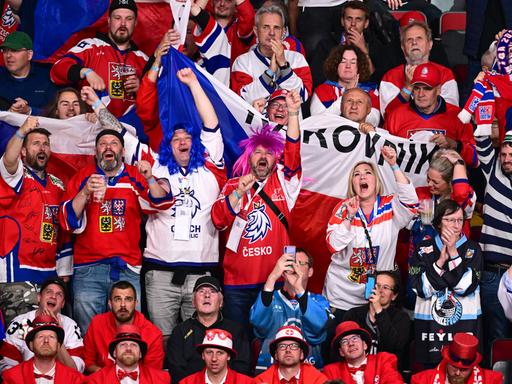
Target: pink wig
x,y
264,136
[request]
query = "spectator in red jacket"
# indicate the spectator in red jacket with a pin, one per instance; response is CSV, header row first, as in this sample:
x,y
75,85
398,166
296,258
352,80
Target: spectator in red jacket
x,y
103,328
216,351
459,365
429,111
128,351
289,349
44,340
357,366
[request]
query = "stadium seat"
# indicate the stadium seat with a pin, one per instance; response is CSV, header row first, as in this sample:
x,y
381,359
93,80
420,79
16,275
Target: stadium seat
x,y
452,28
452,21
501,350
501,358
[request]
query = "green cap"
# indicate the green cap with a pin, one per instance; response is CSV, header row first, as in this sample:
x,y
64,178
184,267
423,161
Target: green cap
x,y
17,40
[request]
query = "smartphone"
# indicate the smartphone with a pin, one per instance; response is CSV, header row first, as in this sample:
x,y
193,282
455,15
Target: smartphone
x,y
291,250
370,286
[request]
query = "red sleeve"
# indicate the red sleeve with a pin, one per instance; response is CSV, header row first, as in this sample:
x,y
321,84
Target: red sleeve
x,y
239,80
468,152
60,72
304,73
389,370
91,353
292,163
245,19
155,356
461,192
223,214
147,110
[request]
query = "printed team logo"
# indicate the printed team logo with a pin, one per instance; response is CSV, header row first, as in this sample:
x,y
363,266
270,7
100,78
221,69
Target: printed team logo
x,y
112,216
186,195
362,261
447,309
485,112
49,224
258,223
8,19
116,89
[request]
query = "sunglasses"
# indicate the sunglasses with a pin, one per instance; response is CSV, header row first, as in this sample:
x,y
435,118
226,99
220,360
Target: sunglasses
x,y
464,362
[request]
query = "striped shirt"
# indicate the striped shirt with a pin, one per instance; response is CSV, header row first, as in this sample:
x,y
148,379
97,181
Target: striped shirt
x,y
496,238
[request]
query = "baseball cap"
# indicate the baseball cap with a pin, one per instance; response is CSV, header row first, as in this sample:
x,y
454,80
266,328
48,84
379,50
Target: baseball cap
x,y
17,40
207,281
426,74
278,94
127,4
110,132
54,280
408,17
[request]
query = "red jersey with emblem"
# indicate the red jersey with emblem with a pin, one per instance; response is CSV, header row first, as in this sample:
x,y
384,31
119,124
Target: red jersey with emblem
x,y
264,236
31,246
110,228
406,120
104,58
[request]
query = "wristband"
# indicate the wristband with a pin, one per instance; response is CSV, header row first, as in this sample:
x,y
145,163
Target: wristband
x,y
151,181
293,113
406,91
96,104
236,194
87,71
19,135
155,68
395,167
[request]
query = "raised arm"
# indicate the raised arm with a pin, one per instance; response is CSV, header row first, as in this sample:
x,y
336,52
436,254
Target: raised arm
x,y
12,153
107,119
203,104
293,102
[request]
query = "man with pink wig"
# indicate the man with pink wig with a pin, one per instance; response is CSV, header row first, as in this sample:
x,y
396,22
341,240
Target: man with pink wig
x,y
254,209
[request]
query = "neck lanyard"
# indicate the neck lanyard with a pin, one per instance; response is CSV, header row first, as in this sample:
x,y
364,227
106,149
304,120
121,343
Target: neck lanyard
x,y
250,198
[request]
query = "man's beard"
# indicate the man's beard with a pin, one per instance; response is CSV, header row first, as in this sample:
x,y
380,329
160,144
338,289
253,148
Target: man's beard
x,y
128,359
33,163
119,40
110,165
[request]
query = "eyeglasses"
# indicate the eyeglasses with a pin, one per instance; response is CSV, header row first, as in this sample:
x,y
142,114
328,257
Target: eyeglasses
x,y
276,105
292,346
453,221
351,339
385,287
7,50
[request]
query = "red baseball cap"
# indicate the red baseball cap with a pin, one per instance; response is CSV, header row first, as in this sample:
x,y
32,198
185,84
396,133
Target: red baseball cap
x,y
408,17
426,74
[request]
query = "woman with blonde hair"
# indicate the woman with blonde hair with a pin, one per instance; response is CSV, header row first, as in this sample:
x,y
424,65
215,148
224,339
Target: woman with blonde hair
x,y
362,232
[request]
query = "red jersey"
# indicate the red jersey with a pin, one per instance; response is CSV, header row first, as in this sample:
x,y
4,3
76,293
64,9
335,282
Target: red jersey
x,y
264,236
111,228
32,247
147,375
380,369
393,81
232,377
102,331
308,375
406,120
24,373
103,57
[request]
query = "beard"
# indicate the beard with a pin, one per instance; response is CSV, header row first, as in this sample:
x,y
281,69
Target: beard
x,y
35,163
261,173
111,164
116,38
128,359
